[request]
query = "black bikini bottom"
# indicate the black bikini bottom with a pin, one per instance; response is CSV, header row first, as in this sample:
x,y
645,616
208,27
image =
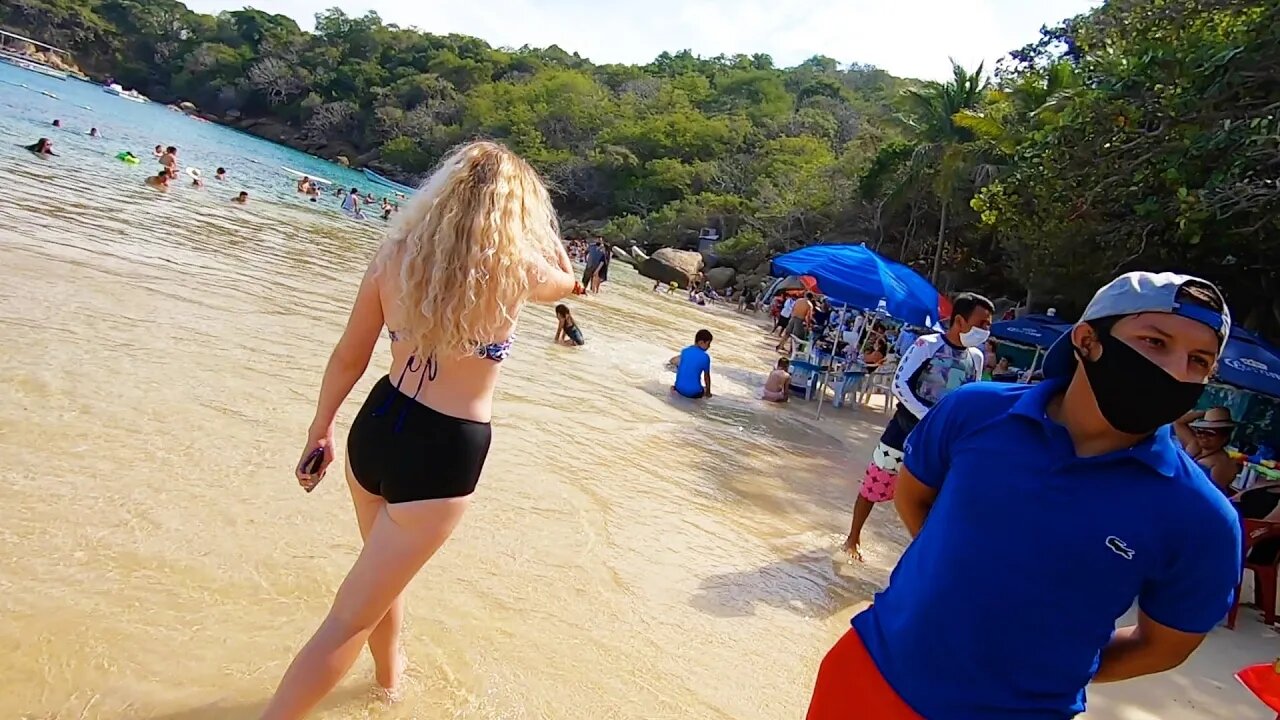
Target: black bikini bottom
x,y
403,450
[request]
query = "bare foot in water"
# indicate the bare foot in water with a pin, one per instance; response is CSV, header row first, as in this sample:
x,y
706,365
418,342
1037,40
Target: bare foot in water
x,y
848,553
389,682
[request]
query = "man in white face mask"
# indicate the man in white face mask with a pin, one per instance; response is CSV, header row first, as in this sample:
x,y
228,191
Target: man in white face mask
x,y
930,369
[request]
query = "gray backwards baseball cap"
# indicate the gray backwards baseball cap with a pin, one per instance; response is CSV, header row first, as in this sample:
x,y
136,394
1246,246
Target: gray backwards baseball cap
x,y
1134,293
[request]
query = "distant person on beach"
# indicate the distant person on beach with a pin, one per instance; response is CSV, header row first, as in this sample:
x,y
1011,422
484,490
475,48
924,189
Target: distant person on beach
x,y
934,367
777,387
567,330
1040,514
1204,434
595,256
482,228
220,174
242,198
159,181
799,323
43,146
693,368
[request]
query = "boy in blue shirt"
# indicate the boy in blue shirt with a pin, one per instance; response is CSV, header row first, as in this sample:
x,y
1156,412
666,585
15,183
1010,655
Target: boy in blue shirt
x,y
693,368
1040,515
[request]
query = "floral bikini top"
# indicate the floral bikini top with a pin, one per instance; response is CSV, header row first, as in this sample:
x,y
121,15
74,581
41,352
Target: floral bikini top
x,y
497,351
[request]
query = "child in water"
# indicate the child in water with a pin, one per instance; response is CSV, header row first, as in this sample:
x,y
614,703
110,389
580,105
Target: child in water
x,y
567,331
242,198
777,388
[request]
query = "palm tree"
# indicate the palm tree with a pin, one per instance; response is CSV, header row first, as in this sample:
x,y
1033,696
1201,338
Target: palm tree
x,y
940,153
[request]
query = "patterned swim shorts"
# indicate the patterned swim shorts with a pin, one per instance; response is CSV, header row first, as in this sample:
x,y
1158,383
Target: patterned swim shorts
x,y
882,474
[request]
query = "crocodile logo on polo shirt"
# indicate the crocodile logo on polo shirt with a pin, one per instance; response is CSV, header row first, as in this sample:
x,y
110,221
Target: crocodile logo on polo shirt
x,y
1119,547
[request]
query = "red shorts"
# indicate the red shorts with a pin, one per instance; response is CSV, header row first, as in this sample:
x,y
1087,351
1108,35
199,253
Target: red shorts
x,y
850,687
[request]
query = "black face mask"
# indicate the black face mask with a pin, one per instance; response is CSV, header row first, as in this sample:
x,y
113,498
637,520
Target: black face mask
x,y
1135,395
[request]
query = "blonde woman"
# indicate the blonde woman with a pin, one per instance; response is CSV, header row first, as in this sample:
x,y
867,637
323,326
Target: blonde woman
x,y
478,241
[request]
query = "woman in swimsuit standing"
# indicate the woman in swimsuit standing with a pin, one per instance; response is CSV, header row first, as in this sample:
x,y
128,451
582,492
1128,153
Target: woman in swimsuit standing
x,y
468,251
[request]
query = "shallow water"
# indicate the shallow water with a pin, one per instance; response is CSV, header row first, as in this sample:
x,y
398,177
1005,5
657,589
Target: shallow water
x,y
627,555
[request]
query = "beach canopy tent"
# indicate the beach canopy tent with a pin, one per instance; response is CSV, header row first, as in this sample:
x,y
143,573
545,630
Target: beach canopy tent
x,y
1250,363
1037,331
857,276
804,283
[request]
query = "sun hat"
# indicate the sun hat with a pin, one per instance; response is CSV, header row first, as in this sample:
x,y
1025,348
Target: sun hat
x,y
1134,293
1218,418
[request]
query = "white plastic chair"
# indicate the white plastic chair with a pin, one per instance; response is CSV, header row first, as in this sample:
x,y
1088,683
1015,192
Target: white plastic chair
x,y
880,382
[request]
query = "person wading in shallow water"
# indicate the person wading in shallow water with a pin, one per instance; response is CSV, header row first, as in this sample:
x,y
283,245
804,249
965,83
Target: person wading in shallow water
x,y
933,367
1040,514
477,242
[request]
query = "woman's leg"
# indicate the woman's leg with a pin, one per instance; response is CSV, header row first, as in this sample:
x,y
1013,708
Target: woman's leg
x,y
384,641
403,537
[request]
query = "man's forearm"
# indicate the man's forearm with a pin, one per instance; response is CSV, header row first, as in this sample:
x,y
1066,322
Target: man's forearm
x,y
1128,656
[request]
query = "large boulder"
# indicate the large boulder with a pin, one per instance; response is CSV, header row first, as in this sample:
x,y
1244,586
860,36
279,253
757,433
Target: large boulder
x,y
721,277
672,266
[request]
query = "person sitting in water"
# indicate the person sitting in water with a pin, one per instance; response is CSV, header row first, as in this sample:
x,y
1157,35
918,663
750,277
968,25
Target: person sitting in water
x,y
93,132
57,123
242,198
304,185
159,151
159,181
777,388
567,331
197,182
220,174
43,146
693,368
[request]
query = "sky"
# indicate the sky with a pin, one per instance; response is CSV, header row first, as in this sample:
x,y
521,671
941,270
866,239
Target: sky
x,y
908,38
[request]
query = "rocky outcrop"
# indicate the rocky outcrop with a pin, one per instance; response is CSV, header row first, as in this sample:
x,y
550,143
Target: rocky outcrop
x,y
721,277
672,266
622,255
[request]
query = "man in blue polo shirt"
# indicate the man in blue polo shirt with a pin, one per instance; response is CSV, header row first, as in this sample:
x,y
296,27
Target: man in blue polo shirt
x,y
1041,514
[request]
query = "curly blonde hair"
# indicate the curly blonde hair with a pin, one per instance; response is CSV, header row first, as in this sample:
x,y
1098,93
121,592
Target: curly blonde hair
x,y
466,246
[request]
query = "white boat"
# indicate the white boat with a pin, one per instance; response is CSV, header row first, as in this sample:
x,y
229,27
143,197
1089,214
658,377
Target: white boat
x,y
134,95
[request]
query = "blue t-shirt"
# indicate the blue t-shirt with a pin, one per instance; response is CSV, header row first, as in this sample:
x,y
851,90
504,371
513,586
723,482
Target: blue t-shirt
x,y
693,362
999,608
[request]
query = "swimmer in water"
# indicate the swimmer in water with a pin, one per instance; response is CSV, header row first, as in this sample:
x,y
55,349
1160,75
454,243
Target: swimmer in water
x,y
57,123
43,146
242,198
220,174
196,181
567,331
159,181
159,151
93,132
304,185
386,209
483,229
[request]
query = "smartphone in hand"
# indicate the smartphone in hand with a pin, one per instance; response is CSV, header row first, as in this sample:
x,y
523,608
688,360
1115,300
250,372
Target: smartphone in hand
x,y
311,467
